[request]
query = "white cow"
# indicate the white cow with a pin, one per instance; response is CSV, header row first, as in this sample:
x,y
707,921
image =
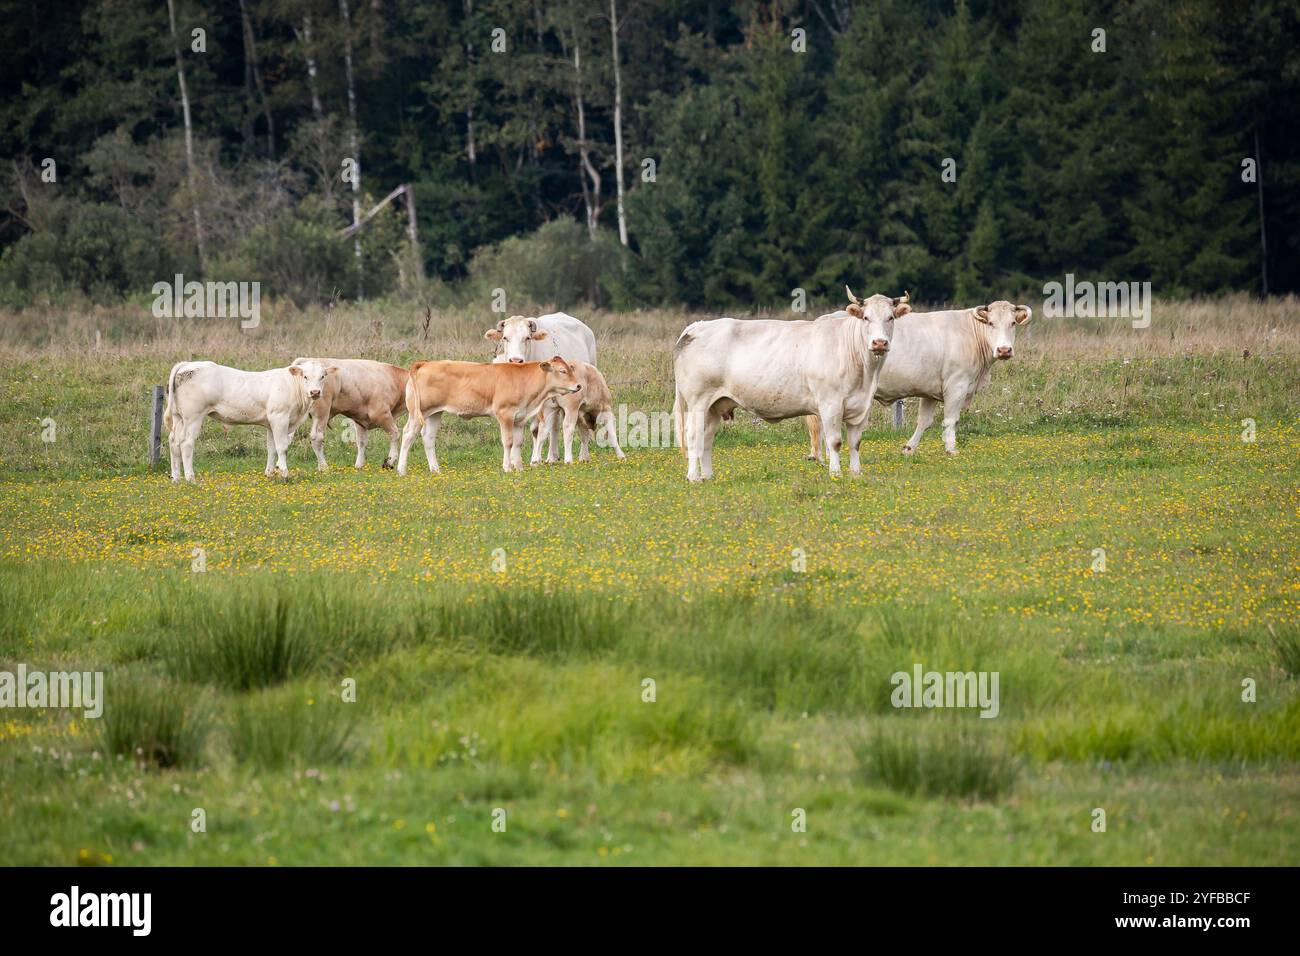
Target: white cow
x,y
278,399
779,369
523,339
943,357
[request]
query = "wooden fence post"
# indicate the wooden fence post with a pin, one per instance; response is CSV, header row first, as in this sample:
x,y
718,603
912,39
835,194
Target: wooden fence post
x,y
155,426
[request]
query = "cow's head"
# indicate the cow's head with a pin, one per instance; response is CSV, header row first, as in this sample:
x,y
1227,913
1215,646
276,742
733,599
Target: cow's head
x,y
1002,317
516,336
879,312
314,374
560,379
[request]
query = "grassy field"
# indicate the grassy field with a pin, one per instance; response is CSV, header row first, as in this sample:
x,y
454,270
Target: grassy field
x,y
499,631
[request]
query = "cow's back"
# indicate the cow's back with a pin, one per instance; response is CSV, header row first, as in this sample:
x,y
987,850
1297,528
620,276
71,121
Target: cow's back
x,y
570,338
927,348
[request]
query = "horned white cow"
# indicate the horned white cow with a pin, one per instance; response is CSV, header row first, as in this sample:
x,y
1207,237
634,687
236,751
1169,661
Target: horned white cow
x,y
371,394
943,357
278,399
587,410
779,369
523,339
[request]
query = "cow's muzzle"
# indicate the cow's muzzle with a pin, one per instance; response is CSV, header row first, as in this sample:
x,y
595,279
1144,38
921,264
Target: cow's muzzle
x,y
880,346
314,393
516,361
1003,352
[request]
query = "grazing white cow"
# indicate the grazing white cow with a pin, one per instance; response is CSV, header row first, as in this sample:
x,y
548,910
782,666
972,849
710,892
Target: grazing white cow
x,y
278,399
943,357
523,339
371,394
587,410
779,369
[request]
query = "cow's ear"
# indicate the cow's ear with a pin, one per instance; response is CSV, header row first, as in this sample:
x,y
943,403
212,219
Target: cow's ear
x,y
540,334
546,366
982,313
295,370
332,370
854,310
1023,314
493,335
901,310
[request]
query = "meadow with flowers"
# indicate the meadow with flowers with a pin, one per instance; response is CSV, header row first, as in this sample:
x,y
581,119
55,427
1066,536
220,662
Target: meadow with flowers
x,y
601,664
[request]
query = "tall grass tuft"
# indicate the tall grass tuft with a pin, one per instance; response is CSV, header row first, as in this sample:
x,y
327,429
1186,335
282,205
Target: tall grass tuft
x,y
534,622
951,760
241,645
151,722
273,731
1286,647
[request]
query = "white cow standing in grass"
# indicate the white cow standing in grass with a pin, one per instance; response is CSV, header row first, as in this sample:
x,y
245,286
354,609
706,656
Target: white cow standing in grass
x,y
278,399
779,369
942,357
523,339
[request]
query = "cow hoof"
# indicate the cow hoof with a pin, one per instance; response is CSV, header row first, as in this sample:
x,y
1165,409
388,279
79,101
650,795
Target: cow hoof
x,y
952,452
388,463
855,472
908,449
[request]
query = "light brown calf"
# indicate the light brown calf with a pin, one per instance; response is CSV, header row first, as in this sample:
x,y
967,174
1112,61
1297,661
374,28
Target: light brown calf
x,y
509,392
371,394
586,410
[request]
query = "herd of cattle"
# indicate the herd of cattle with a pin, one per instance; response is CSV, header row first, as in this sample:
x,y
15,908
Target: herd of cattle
x,y
829,370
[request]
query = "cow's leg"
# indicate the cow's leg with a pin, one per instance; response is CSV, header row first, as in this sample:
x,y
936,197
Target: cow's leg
x,y
517,446
189,435
174,444
319,423
924,418
552,413
394,438
540,429
692,425
508,431
570,423
363,439
952,405
429,434
611,430
853,434
414,423
708,431
283,435
270,453
814,437
832,425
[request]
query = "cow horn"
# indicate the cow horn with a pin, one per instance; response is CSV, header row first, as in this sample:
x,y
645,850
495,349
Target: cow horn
x,y
901,299
532,326
501,326
852,298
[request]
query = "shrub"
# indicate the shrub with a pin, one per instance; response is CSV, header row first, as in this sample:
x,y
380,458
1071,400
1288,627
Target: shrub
x,y
559,263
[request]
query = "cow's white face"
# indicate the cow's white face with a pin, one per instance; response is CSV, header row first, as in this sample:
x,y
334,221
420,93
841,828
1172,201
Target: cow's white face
x,y
560,379
515,337
314,375
1002,318
879,313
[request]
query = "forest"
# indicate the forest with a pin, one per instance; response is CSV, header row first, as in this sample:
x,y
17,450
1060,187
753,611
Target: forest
x,y
638,153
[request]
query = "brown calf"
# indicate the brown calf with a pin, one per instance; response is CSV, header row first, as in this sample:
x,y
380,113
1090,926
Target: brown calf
x,y
371,394
509,392
586,410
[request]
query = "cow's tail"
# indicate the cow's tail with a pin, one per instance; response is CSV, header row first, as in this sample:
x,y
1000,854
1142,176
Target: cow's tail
x,y
414,413
168,410
679,418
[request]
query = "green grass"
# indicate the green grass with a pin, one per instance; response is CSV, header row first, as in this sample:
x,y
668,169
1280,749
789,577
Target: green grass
x,y
652,679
